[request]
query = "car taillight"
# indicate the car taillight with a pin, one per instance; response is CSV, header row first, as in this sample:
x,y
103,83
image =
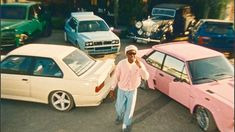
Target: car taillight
x,y
98,88
203,40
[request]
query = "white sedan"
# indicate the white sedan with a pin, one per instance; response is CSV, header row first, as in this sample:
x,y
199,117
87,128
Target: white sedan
x,y
62,76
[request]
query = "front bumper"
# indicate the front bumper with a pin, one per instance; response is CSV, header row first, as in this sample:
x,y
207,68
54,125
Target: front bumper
x,y
144,40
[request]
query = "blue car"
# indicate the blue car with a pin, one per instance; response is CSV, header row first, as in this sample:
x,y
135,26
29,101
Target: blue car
x,y
91,34
215,34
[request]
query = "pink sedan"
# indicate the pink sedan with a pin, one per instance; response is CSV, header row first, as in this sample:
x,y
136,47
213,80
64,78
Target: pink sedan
x,y
199,78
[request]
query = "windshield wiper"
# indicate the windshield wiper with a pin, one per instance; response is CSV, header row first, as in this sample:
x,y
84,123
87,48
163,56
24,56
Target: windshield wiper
x,y
205,78
223,74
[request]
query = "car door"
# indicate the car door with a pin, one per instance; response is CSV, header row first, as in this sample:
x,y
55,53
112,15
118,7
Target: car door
x,y
15,79
46,76
33,17
174,80
154,65
71,30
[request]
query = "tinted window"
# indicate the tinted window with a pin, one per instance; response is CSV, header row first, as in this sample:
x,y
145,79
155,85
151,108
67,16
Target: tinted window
x,y
13,12
73,23
16,65
218,28
175,67
156,59
163,12
210,69
46,67
91,26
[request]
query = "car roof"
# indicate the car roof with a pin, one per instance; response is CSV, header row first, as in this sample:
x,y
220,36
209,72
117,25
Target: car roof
x,y
186,51
43,50
84,16
171,6
215,20
20,4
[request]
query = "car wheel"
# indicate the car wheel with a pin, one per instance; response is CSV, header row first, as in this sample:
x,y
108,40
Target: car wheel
x,y
61,100
205,119
47,31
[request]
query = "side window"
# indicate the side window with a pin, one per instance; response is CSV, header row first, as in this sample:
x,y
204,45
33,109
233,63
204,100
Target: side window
x,y
73,24
16,65
156,59
175,68
31,13
46,67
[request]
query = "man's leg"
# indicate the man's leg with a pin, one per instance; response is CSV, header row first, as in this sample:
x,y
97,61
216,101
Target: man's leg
x,y
120,105
130,107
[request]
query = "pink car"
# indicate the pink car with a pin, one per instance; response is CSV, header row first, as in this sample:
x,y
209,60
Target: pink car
x,y
199,78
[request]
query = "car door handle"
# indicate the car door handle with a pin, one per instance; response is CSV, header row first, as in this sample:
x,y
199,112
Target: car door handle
x,y
161,74
24,79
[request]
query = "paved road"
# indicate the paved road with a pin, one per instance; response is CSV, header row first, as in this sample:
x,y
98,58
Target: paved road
x,y
154,111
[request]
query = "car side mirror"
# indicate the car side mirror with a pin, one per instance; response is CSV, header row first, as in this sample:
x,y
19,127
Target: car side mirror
x,y
145,57
111,28
176,79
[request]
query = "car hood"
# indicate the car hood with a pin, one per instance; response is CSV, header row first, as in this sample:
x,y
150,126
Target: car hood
x,y
99,36
150,23
10,24
100,71
223,88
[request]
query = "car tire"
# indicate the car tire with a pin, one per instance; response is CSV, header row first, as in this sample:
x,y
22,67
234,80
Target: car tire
x,y
205,119
47,31
61,101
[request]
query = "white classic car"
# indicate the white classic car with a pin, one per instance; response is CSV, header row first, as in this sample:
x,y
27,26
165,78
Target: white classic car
x,y
91,34
62,76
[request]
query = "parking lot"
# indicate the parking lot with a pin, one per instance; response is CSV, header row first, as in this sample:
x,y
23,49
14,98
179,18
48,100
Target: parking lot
x,y
154,111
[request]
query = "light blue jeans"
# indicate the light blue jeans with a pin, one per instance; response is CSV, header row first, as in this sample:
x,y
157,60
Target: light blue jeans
x,y
125,105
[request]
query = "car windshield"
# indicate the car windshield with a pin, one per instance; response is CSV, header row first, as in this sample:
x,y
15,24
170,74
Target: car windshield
x,y
92,26
78,61
210,69
159,17
163,12
12,12
219,28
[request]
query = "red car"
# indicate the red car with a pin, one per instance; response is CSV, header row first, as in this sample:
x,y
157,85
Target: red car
x,y
199,78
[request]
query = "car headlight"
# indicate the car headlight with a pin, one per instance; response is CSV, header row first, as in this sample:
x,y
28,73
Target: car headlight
x,y
88,43
22,37
138,24
115,41
140,32
155,28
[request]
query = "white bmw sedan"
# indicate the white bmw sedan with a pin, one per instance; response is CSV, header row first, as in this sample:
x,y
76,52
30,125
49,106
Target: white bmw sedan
x,y
62,76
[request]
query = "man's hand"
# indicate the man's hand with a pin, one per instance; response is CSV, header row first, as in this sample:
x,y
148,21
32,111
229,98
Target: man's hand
x,y
111,95
137,62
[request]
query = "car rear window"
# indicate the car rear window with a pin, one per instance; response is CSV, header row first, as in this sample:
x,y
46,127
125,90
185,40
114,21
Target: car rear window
x,y
12,12
218,28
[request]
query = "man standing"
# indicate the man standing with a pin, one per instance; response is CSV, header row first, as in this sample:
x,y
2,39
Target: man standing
x,y
127,76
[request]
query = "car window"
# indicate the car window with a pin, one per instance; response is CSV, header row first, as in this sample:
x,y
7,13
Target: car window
x,y
78,61
156,59
218,28
175,67
73,23
91,26
210,69
16,65
163,12
12,12
46,67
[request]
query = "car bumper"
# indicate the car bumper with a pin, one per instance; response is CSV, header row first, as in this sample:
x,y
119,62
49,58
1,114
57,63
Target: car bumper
x,y
144,40
102,50
93,100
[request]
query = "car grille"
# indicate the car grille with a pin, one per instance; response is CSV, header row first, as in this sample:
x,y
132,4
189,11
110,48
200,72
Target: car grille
x,y
102,42
6,41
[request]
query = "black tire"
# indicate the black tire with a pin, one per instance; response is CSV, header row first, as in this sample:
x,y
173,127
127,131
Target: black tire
x,y
205,119
47,31
61,101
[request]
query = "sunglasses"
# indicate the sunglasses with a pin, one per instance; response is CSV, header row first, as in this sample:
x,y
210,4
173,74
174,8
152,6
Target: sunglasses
x,y
131,53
